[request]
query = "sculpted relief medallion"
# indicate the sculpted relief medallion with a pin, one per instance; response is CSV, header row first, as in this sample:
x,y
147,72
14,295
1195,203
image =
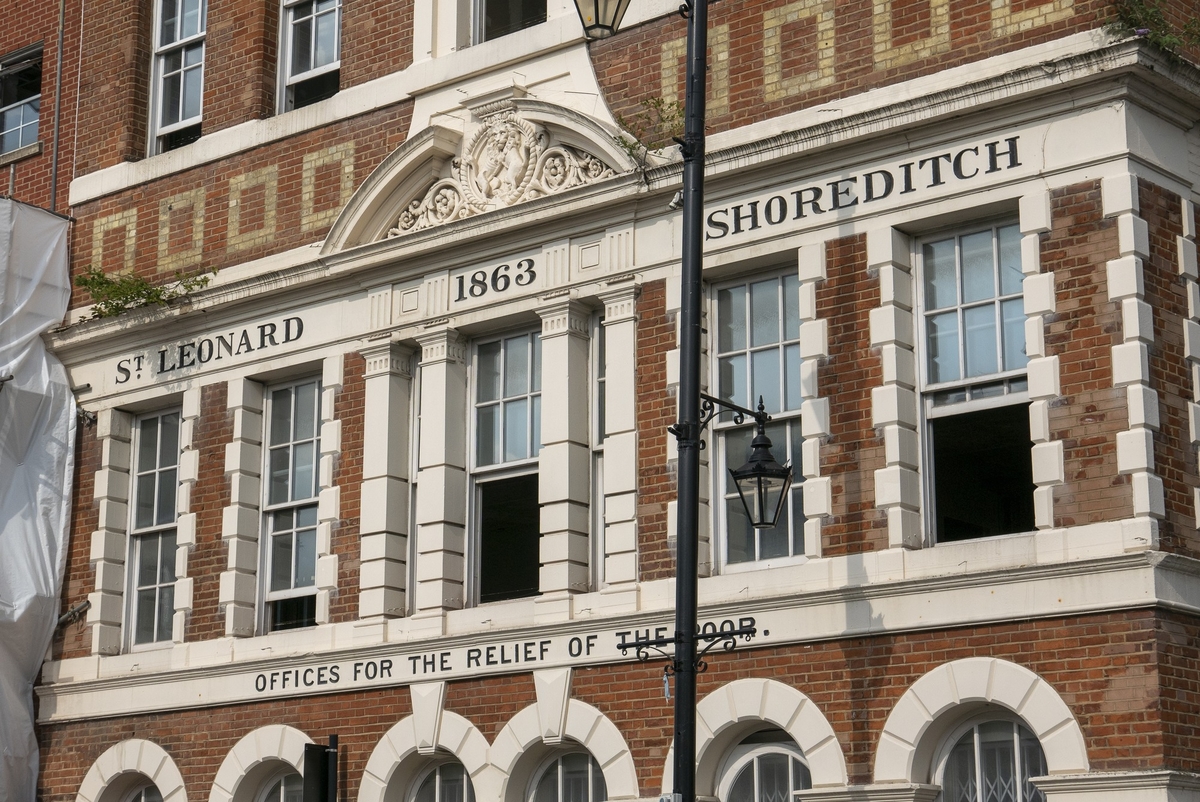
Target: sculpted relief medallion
x,y
507,161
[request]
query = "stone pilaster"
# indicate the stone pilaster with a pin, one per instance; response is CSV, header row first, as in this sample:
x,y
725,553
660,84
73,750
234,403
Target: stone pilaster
x,y
185,525
241,520
441,513
563,467
110,540
329,508
383,519
620,440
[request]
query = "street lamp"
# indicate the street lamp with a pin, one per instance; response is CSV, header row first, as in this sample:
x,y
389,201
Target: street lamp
x,y
762,482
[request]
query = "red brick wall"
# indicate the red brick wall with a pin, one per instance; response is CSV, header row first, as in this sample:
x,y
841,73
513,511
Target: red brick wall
x,y
656,410
114,89
79,578
628,65
854,450
348,408
1178,647
376,39
1090,411
239,62
1174,455
25,23
210,497
374,137
1105,667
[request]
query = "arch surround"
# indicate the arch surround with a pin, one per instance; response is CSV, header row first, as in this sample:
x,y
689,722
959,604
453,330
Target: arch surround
x,y
395,757
921,717
254,757
731,712
135,756
515,752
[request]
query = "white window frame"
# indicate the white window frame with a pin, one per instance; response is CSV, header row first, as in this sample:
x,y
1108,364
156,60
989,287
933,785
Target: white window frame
x,y
138,794
1010,387
722,491
480,23
24,115
502,469
942,756
287,79
162,51
742,754
554,761
139,536
295,505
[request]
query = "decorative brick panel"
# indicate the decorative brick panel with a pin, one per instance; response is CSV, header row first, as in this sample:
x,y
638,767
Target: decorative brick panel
x,y
655,412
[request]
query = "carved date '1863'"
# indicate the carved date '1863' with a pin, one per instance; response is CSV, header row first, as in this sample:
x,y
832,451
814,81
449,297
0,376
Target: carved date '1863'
x,y
499,281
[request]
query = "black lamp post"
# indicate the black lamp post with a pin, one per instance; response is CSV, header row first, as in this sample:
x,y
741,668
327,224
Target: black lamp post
x,y
762,482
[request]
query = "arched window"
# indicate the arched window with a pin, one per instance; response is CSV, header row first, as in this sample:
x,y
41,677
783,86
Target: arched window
x,y
767,766
287,786
145,793
446,782
574,777
991,761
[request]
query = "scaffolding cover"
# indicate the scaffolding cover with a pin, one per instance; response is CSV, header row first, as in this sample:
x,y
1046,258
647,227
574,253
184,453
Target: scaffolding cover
x,y
37,436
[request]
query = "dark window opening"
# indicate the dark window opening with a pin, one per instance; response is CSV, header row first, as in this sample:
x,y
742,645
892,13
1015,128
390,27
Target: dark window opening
x,y
983,473
293,613
508,538
314,90
177,139
502,17
20,99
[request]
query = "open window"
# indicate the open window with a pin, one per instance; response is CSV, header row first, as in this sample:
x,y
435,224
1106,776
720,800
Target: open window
x,y
20,99
508,406
758,356
975,400
291,479
990,760
155,479
311,53
177,93
496,18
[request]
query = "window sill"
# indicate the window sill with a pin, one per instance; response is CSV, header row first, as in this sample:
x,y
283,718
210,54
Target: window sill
x,y
20,153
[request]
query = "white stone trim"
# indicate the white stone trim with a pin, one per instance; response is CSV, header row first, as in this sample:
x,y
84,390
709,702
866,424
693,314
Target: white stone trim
x,y
927,709
894,403
1131,359
1043,370
564,464
814,426
329,506
734,710
385,489
396,760
514,753
1186,245
185,521
240,522
273,744
114,430
441,513
1134,786
108,779
620,443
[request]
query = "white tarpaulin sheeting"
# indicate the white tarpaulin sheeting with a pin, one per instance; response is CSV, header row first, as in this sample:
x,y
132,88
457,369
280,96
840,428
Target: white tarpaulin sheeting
x,y
37,439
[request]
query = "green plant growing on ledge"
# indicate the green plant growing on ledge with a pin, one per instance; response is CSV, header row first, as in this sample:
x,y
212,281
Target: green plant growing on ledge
x,y
1146,20
656,123
116,294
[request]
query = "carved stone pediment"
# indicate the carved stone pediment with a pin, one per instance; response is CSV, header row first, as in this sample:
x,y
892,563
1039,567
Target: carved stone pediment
x,y
507,161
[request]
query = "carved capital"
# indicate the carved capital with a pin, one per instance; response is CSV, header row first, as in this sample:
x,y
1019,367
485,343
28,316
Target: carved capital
x,y
564,317
385,357
442,345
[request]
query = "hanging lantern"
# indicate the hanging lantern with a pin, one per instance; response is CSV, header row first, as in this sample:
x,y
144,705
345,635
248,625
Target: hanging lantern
x,y
762,482
601,18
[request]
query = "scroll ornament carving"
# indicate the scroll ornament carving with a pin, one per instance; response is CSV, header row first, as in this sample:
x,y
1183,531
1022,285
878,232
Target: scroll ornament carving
x,y
507,161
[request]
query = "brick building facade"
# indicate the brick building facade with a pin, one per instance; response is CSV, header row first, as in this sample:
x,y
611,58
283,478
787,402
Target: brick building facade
x,y
400,472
